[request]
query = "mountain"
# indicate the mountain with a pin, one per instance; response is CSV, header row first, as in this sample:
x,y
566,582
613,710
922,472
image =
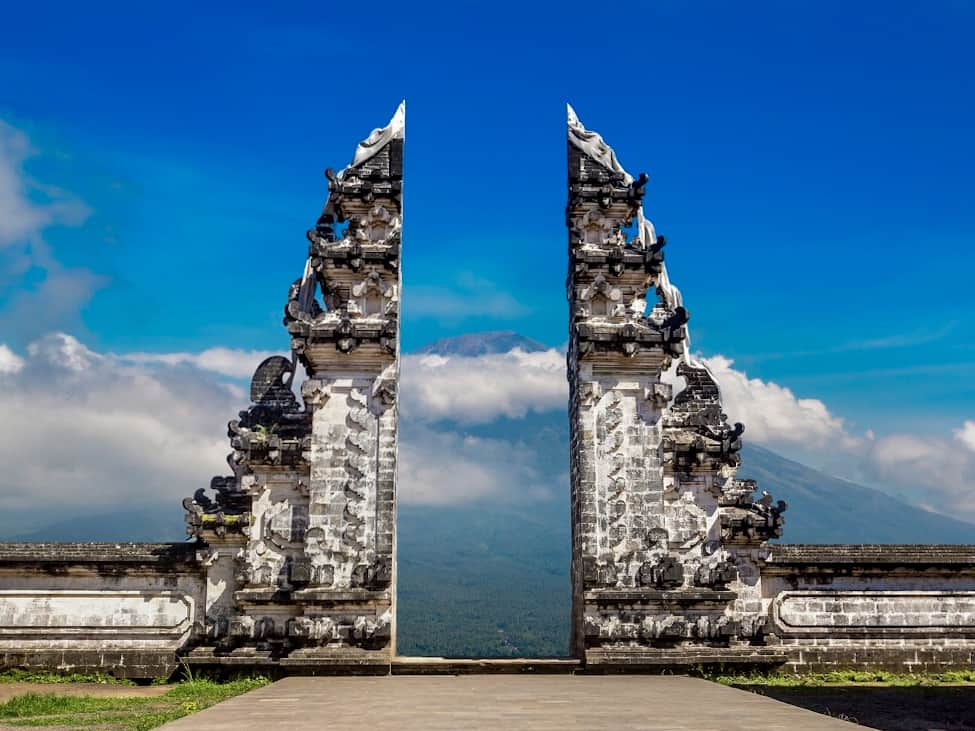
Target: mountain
x,y
483,580
486,343
825,509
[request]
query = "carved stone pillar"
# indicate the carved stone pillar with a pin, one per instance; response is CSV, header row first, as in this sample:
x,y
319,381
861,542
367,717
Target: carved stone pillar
x,y
660,558
313,497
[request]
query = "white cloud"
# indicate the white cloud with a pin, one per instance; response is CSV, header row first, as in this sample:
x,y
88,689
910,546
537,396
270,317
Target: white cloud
x,y
480,389
19,217
450,468
54,295
966,435
935,471
85,432
234,363
773,414
10,362
474,390
26,206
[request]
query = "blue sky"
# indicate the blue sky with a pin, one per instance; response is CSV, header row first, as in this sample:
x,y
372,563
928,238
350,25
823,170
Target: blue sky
x,y
811,165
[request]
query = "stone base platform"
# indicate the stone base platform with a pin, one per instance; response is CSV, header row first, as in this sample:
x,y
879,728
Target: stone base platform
x,y
538,702
655,660
616,661
484,666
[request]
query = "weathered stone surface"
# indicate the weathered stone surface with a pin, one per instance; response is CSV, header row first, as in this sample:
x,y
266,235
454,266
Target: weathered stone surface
x,y
127,608
303,532
654,499
670,557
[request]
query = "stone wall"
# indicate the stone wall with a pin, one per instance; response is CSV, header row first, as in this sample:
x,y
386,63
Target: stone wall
x,y
128,608
905,608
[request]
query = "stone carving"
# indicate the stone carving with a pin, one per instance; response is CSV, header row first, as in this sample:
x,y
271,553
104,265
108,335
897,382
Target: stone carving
x,y
658,517
311,503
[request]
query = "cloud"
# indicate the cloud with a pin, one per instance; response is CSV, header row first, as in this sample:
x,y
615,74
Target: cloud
x,y
26,205
19,217
42,293
911,339
234,363
10,362
451,468
774,414
56,301
454,391
935,472
966,435
85,432
476,390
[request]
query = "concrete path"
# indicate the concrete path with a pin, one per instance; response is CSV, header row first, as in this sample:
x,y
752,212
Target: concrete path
x,y
539,702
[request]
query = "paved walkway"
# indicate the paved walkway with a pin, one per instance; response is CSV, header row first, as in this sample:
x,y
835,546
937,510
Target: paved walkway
x,y
542,702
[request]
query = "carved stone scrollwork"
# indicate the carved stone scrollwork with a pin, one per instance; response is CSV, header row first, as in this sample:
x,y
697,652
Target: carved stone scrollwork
x,y
378,226
317,629
595,229
385,391
312,495
717,575
659,394
315,392
665,573
599,573
589,393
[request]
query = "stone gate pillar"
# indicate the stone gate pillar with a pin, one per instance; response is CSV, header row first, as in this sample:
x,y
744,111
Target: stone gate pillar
x,y
665,542
308,517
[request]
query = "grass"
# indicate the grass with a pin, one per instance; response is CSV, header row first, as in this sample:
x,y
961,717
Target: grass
x,y
121,714
846,677
30,676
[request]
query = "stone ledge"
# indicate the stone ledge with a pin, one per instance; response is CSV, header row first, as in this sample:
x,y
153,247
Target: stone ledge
x,y
270,594
88,553
483,666
630,660
798,554
658,596
326,595
122,663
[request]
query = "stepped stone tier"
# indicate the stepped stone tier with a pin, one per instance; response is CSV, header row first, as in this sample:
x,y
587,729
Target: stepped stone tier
x,y
291,562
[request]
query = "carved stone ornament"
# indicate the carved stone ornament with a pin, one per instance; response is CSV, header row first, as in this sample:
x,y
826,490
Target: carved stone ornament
x,y
315,392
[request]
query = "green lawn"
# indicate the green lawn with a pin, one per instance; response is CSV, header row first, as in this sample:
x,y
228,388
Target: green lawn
x,y
846,677
40,676
120,714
